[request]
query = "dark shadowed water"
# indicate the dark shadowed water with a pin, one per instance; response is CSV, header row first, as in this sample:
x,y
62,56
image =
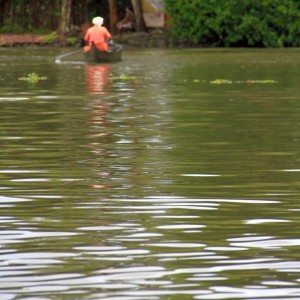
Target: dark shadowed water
x,y
173,174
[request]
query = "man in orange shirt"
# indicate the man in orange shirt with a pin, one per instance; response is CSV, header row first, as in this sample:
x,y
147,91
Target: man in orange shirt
x,y
97,35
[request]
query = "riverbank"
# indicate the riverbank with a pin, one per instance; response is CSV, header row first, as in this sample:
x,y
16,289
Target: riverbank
x,y
9,40
152,39
155,38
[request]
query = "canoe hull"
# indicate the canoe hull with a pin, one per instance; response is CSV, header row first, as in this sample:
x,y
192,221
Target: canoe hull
x,y
113,55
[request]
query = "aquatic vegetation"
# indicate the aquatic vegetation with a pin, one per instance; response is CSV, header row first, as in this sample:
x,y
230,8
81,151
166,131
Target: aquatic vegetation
x,y
226,81
124,77
32,78
266,81
220,81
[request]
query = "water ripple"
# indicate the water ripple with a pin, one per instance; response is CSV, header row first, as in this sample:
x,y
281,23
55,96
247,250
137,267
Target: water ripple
x,y
267,244
154,187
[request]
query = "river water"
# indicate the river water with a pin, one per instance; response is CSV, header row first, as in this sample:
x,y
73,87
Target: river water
x,y
173,174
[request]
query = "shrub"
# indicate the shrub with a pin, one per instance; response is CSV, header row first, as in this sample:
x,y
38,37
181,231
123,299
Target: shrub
x,y
240,23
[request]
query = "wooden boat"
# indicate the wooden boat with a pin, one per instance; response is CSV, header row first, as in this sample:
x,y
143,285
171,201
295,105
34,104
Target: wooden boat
x,y
96,56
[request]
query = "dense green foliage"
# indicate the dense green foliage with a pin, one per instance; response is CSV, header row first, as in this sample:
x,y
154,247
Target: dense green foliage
x,y
20,16
241,23
36,16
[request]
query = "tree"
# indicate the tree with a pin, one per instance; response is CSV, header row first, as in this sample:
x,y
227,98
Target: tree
x,y
138,11
113,17
65,21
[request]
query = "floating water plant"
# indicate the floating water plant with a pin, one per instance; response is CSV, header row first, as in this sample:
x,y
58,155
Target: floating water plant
x,y
266,81
220,81
32,78
124,77
226,81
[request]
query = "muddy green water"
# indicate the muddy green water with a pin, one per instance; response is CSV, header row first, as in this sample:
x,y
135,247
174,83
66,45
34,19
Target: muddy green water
x,y
173,174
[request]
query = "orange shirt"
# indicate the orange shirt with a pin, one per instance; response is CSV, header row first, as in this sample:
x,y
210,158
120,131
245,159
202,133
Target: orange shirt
x,y
96,35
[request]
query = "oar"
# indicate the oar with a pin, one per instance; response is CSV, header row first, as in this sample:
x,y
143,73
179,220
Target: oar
x,y
60,57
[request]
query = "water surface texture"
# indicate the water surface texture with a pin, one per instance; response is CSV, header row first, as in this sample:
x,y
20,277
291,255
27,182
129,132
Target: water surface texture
x,y
173,174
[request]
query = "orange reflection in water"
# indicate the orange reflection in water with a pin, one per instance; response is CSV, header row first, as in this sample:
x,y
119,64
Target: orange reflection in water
x,y
97,78
97,82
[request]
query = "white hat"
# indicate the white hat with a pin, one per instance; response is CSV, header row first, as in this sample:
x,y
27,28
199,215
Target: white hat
x,y
97,21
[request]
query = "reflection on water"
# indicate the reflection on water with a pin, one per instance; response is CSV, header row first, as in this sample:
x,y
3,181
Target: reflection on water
x,y
96,77
97,81
142,180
